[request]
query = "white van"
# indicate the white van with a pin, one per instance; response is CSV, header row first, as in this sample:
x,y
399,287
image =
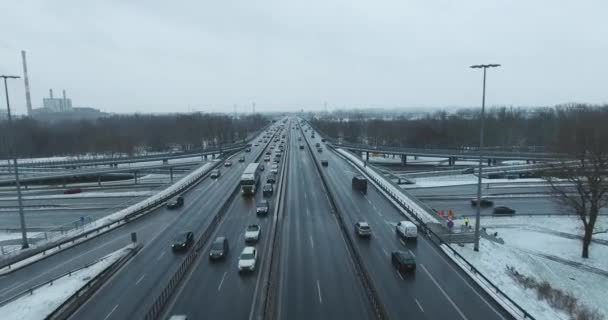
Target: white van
x,y
406,230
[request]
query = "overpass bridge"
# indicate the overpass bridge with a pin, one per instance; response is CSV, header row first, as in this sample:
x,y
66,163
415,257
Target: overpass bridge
x,y
492,156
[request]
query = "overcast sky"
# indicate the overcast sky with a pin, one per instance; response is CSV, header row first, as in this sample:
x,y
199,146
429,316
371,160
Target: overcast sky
x,y
167,56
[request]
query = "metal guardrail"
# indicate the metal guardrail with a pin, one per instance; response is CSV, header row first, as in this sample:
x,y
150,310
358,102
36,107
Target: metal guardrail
x,y
72,304
4,263
267,298
458,153
439,241
116,160
31,290
372,293
161,301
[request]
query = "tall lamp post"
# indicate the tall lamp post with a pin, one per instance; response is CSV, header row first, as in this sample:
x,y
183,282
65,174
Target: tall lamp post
x,y
479,171
12,151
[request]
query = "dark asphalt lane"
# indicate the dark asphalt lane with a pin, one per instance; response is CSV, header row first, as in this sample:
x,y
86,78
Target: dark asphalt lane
x,y
317,278
437,290
130,292
216,288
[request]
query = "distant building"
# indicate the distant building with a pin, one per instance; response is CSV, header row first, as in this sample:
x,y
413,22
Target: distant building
x,y
52,104
59,109
3,114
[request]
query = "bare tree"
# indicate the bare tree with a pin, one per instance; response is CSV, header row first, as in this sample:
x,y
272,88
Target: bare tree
x,y
583,139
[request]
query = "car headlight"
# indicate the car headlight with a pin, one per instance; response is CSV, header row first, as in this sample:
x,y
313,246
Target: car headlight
x,y
183,244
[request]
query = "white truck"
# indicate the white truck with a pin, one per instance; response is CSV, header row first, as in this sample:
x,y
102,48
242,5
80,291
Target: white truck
x,y
250,178
406,230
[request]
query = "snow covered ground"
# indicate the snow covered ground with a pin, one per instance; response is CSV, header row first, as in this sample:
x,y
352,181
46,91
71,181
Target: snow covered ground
x,y
15,235
47,298
124,194
419,160
459,180
535,247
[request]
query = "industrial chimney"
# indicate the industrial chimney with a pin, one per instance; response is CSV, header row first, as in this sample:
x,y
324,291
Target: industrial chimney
x,y
51,93
28,99
64,103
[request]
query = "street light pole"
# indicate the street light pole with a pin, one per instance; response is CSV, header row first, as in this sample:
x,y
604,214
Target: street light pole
x,y
479,171
12,151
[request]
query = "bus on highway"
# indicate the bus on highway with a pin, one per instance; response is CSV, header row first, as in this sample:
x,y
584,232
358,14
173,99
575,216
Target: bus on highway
x,y
250,179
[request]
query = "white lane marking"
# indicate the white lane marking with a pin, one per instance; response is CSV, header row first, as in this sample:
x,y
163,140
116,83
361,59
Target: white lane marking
x,y
399,274
308,212
221,282
140,278
319,292
385,252
112,311
412,253
161,255
418,303
312,244
59,266
305,196
444,293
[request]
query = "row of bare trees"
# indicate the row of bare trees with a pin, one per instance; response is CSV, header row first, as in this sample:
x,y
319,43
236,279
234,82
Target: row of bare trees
x,y
508,127
125,133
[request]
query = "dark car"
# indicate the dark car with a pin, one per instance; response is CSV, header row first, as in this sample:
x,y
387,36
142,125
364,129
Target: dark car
x,y
215,173
219,248
267,190
272,178
276,160
319,150
247,149
175,202
324,163
323,140
403,261
262,167
242,159
302,147
182,241
268,153
503,210
359,182
468,171
317,145
262,207
484,202
72,191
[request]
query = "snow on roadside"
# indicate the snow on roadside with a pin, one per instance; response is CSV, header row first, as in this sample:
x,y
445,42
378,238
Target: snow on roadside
x,y
125,194
15,235
47,298
526,238
422,214
458,180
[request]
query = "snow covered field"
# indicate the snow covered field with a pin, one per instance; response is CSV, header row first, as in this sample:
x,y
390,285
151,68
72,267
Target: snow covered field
x,y
419,160
459,180
543,248
46,299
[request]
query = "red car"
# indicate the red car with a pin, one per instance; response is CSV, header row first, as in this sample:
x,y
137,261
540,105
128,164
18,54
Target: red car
x,y
72,191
